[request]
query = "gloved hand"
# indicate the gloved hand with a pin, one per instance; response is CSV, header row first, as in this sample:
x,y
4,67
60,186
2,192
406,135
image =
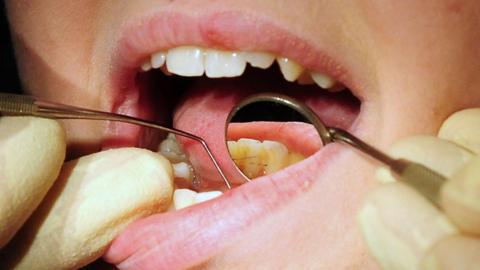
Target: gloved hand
x,y
80,205
31,156
403,230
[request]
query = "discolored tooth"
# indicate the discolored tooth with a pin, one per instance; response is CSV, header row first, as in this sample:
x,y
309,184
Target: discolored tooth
x,y
305,79
206,196
186,61
255,158
158,59
259,59
183,198
146,66
277,156
220,64
290,69
323,80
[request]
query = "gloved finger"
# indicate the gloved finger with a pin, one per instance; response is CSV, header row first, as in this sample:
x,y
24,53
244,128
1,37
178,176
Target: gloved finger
x,y
94,198
440,155
453,252
399,226
463,128
32,151
460,197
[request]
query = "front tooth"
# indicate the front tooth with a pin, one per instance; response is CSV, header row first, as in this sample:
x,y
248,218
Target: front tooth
x,y
158,59
186,61
290,69
183,198
323,80
223,64
259,59
205,196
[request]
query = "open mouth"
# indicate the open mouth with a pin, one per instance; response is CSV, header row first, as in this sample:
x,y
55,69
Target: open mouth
x,y
192,83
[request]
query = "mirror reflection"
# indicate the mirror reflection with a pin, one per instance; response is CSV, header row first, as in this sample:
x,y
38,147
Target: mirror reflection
x,y
265,136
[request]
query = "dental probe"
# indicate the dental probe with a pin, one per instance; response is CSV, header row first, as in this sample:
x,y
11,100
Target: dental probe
x,y
22,105
423,179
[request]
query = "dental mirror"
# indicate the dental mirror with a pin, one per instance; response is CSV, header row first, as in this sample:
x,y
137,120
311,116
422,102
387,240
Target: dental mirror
x,y
268,132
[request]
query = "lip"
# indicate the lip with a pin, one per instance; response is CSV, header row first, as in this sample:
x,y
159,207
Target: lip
x,y
178,240
207,227
227,30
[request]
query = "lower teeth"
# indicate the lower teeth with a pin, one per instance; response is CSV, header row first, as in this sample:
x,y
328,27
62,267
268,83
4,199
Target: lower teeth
x,y
255,158
185,197
182,169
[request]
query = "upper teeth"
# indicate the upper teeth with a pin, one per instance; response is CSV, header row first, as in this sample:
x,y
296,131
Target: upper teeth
x,y
195,61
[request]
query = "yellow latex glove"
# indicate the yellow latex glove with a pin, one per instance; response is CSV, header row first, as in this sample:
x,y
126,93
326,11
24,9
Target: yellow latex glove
x,y
32,151
403,230
80,205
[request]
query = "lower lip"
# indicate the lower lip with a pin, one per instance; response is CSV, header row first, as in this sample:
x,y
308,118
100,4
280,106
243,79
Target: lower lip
x,y
180,239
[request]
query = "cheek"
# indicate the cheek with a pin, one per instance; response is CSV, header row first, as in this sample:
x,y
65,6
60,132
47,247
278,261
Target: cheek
x,y
53,42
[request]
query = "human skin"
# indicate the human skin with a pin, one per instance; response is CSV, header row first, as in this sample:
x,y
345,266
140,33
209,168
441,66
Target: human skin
x,y
413,63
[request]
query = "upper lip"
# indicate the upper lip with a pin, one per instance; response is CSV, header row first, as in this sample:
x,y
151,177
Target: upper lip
x,y
229,31
167,29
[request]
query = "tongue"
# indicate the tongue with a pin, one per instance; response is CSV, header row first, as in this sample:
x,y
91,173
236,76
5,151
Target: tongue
x,y
204,110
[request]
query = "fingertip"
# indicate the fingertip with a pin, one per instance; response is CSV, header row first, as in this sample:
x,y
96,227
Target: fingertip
x,y
453,252
460,197
399,226
463,128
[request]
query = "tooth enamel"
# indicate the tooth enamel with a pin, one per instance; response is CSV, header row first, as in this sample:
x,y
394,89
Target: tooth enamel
x,y
248,154
183,198
170,149
158,59
223,64
146,66
259,59
206,196
290,69
192,61
182,170
277,156
255,158
186,61
323,80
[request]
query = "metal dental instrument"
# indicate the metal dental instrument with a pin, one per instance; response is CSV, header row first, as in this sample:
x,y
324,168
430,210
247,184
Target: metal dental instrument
x,y
21,105
423,179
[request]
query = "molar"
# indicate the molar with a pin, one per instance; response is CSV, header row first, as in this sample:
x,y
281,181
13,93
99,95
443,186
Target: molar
x,y
255,158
